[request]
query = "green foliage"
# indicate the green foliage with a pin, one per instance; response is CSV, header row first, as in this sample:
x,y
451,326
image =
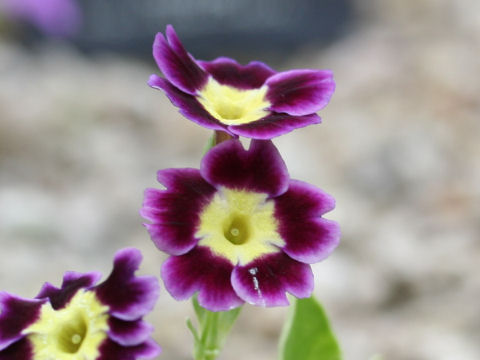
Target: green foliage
x,y
307,334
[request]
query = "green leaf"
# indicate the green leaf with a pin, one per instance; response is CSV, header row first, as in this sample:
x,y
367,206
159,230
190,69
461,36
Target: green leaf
x,y
307,334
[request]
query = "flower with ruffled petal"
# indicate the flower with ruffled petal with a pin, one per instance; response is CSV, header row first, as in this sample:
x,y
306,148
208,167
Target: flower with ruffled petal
x,y
248,100
83,320
239,229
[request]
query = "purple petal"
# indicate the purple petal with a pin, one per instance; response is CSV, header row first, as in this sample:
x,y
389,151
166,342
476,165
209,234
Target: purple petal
x,y
300,92
265,281
176,64
20,350
310,241
200,270
16,314
273,125
72,282
174,212
128,296
304,200
128,333
228,72
308,237
187,104
259,169
110,350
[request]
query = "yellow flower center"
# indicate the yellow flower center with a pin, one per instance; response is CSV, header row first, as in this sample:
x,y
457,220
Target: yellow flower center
x,y
237,229
72,333
233,106
239,226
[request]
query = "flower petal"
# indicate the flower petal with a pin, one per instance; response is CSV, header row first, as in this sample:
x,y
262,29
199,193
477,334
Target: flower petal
x,y
129,297
128,333
174,212
200,270
110,350
187,104
273,125
229,72
265,281
16,314
308,237
72,282
300,92
20,350
310,241
304,200
259,169
176,64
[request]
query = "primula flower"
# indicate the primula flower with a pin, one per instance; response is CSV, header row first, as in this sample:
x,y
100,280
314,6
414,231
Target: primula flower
x,y
248,100
83,320
239,229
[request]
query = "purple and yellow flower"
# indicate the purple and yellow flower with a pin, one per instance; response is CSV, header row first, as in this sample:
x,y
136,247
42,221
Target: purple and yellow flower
x,y
239,229
83,320
248,100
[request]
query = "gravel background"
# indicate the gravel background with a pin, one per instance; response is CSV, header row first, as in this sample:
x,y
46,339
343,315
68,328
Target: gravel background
x,y
80,138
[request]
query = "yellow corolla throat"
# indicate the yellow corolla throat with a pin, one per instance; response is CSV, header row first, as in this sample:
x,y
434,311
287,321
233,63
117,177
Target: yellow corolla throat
x,y
232,106
239,226
72,333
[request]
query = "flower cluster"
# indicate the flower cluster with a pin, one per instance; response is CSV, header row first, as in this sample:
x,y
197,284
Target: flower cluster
x,y
239,229
83,320
251,100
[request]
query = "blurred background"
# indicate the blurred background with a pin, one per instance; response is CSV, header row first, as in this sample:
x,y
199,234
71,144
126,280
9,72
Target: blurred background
x,y
81,136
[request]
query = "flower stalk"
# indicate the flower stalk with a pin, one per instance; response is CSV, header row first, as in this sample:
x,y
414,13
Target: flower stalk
x,y
214,328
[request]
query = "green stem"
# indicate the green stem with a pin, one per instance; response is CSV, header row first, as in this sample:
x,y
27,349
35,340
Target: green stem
x,y
213,330
210,346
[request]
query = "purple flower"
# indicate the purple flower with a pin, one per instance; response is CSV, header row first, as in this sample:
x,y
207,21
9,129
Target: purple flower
x,y
52,17
83,319
239,229
248,100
